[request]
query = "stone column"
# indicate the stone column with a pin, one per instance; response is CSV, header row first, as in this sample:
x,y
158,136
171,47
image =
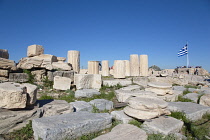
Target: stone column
x,y
127,68
105,68
74,59
143,65
134,65
93,67
119,69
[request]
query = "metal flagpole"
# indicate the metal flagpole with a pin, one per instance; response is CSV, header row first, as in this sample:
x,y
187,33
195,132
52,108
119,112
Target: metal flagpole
x,y
187,56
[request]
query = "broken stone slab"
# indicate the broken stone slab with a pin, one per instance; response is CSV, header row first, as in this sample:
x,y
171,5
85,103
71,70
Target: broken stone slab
x,y
31,93
18,77
82,106
124,132
131,87
61,59
171,97
70,126
193,90
61,83
114,82
39,75
159,88
102,104
61,66
4,73
192,111
12,95
142,81
124,95
163,126
69,74
87,81
205,100
56,107
121,116
86,93
4,54
192,96
160,85
3,79
41,61
35,50
180,88
7,64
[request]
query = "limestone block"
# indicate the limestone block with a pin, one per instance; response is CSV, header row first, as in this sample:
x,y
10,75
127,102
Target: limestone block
x,y
124,132
18,77
35,50
12,95
121,116
74,60
134,65
142,81
61,59
32,93
86,93
61,66
163,126
131,87
124,95
7,64
102,104
39,75
127,68
82,106
70,125
205,100
87,81
4,73
105,68
93,67
4,79
171,97
192,96
41,61
68,74
143,65
114,82
192,111
61,83
57,107
4,54
180,88
159,88
119,69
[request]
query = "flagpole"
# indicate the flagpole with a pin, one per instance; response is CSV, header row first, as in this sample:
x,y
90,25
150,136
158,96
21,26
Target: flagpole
x,y
187,55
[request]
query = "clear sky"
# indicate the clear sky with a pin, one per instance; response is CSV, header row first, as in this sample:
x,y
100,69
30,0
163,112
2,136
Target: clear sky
x,y
109,29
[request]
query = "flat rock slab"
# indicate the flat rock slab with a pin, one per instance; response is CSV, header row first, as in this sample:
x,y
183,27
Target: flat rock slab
x,y
124,95
192,111
70,126
192,96
86,93
131,87
121,116
171,97
163,125
82,106
205,100
159,85
180,88
114,82
124,132
102,104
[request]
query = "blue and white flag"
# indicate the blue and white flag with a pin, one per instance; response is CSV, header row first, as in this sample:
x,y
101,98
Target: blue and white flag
x,y
183,51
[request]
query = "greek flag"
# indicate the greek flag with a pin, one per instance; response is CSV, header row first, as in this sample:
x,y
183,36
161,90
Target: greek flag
x,y
183,51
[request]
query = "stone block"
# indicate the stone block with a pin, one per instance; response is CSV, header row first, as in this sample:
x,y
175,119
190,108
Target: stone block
x,y
35,50
192,111
131,87
32,93
61,66
7,64
102,104
192,96
61,83
114,82
124,132
86,93
61,59
4,73
18,77
39,75
160,88
171,97
82,106
87,81
163,126
121,116
70,125
205,100
4,54
68,74
180,88
12,95
142,81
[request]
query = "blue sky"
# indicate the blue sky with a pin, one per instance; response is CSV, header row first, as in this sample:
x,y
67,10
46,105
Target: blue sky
x,y
109,29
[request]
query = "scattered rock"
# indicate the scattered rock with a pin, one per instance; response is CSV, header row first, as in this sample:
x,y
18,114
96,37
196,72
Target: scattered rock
x,y
70,125
124,132
192,96
114,82
121,116
131,87
205,100
82,106
180,88
86,93
163,126
31,92
102,104
171,97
